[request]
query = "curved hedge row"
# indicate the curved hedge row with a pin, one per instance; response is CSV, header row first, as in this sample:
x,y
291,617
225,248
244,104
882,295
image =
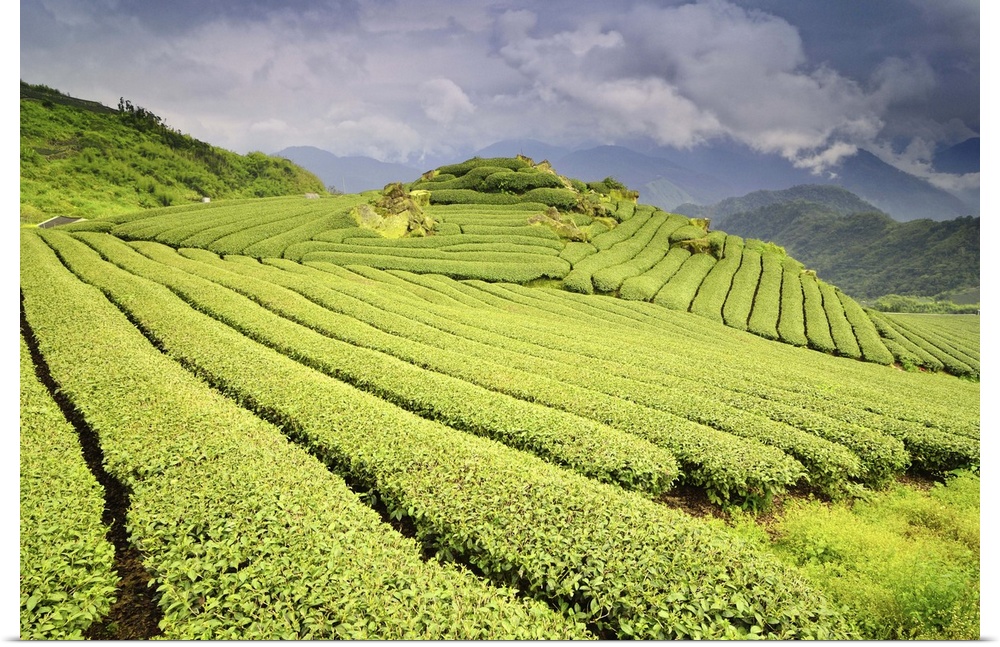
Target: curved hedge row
x,y
223,507
610,279
955,362
580,279
791,321
275,245
622,564
304,331
817,325
840,329
575,252
512,163
447,241
645,286
881,456
739,302
500,269
622,232
713,291
877,438
680,290
704,465
559,198
905,350
871,346
67,578
766,309
532,255
238,241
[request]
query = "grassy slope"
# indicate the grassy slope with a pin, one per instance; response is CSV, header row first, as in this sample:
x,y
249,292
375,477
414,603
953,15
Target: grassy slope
x,y
83,159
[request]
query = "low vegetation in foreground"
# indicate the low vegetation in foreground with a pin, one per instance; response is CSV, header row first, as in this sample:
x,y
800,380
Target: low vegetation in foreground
x,y
904,563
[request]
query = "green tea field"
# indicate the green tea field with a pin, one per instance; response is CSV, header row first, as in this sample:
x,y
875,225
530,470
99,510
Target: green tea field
x,y
516,407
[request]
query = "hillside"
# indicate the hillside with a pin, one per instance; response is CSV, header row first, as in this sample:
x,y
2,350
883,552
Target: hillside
x,y
417,400
904,196
866,253
837,199
852,244
515,220
82,159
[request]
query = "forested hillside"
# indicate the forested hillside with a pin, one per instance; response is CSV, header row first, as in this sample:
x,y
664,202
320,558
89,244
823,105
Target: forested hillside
x,y
83,159
868,254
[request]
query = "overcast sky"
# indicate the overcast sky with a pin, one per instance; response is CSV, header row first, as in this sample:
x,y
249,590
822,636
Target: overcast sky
x,y
811,80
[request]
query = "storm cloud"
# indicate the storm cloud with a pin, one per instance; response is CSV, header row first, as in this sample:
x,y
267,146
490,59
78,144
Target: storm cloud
x,y
409,81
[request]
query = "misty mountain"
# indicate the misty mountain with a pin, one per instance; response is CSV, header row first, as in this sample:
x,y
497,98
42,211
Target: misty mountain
x,y
903,196
744,169
660,181
961,158
351,174
836,199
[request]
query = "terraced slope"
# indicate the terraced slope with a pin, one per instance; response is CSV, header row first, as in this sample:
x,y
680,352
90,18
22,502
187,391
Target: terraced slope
x,y
220,386
932,342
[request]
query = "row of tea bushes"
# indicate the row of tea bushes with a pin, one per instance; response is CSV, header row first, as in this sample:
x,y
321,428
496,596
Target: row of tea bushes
x,y
602,556
67,577
223,506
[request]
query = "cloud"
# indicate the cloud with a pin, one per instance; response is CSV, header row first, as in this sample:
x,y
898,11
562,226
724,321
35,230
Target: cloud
x,y
443,101
898,80
683,75
828,157
377,77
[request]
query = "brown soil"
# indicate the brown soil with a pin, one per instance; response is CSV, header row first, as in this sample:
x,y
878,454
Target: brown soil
x,y
135,614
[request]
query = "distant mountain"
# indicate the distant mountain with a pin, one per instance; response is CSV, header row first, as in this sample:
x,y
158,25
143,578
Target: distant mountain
x,y
901,195
961,158
837,199
660,182
352,174
904,196
868,254
742,168
667,177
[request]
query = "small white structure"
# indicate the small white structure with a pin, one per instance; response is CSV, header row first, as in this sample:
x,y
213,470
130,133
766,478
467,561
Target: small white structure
x,y
59,220
206,199
312,196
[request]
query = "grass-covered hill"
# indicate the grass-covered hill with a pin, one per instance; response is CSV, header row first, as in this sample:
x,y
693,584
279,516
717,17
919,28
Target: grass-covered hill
x,y
497,403
854,245
83,159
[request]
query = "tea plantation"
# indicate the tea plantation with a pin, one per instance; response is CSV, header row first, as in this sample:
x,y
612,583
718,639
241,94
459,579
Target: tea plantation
x,y
492,404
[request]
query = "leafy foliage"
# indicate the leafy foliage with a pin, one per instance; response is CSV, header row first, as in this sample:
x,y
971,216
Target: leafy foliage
x,y
224,507
904,564
867,253
81,162
625,564
67,581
